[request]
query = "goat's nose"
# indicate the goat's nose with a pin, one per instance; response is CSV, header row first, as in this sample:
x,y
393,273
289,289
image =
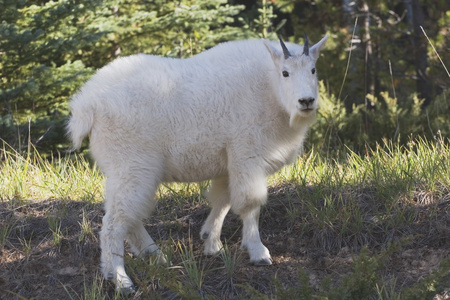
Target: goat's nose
x,y
306,101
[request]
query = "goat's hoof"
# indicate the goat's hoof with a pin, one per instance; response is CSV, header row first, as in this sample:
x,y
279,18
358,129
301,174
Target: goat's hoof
x,y
124,285
264,262
127,291
212,248
161,258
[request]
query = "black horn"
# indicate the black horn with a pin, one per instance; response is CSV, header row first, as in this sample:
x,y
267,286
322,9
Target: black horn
x,y
305,46
285,49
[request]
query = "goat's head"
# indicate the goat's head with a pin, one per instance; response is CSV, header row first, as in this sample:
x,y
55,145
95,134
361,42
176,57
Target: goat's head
x,y
297,77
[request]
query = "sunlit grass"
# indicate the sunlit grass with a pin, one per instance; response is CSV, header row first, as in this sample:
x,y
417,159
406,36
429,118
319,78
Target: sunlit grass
x,y
30,177
389,168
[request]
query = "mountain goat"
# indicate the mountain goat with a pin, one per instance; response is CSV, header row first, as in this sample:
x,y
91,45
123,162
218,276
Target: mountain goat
x,y
233,114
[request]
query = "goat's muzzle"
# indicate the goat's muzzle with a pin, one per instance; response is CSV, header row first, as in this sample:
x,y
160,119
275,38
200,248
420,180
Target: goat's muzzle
x,y
306,103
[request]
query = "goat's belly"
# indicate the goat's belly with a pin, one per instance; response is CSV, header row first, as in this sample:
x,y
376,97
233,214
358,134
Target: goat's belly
x,y
194,167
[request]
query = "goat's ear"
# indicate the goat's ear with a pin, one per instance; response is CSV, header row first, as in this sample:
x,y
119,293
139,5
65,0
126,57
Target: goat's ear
x,y
275,53
314,51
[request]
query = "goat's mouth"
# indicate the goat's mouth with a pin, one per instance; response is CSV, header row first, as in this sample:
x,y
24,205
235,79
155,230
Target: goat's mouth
x,y
302,115
307,110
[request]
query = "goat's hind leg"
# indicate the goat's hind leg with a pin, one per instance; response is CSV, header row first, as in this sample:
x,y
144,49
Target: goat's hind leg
x,y
127,203
112,238
219,199
142,244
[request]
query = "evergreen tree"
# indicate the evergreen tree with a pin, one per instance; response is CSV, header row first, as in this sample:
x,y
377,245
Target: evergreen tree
x,y
47,50
39,64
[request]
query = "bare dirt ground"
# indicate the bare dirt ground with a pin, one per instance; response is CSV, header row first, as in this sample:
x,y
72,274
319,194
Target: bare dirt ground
x,y
33,265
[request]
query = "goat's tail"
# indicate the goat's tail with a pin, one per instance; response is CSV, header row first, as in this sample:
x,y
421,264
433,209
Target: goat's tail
x,y
80,122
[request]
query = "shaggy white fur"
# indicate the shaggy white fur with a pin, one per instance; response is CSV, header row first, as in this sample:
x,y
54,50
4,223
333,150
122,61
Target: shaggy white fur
x,y
233,114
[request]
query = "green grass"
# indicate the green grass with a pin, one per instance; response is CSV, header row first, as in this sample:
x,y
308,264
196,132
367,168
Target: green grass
x,y
367,210
30,177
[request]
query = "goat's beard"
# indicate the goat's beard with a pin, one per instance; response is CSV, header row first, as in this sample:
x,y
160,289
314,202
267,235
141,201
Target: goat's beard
x,y
302,118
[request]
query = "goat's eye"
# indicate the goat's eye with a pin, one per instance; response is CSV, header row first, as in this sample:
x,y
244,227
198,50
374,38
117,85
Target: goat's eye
x,y
285,73
313,70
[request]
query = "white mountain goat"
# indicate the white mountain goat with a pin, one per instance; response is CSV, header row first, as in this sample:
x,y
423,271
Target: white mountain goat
x,y
233,114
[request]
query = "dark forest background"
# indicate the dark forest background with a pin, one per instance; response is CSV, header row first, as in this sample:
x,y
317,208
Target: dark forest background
x,y
383,73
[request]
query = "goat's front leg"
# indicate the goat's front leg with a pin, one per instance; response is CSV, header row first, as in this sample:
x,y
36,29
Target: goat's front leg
x,y
251,241
248,190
